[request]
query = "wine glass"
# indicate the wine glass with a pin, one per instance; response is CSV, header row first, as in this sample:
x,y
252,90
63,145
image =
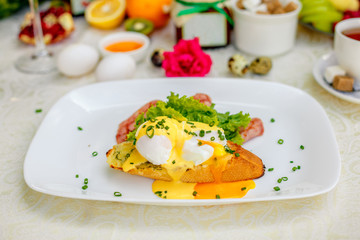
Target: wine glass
x,y
40,61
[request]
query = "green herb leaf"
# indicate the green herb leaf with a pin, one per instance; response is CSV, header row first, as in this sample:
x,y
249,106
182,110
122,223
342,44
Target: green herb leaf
x,y
231,124
190,109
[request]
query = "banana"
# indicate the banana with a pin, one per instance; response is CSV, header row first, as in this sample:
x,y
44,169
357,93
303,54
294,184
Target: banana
x,y
343,5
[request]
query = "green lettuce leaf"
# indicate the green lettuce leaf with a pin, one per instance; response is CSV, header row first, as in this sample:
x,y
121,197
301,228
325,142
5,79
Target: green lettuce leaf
x,y
231,124
189,109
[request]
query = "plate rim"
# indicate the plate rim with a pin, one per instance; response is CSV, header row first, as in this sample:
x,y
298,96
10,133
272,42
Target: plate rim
x,y
179,202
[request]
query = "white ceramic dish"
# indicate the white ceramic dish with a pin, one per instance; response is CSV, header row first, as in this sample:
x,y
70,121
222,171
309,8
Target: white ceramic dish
x,y
137,54
265,35
59,150
318,72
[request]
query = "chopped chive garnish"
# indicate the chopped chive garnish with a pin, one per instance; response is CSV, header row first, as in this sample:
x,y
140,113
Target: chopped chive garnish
x,y
227,149
38,110
86,181
79,128
194,193
167,128
298,167
150,131
191,123
272,120
77,175
84,187
212,124
280,141
271,169
276,188
173,162
294,169
200,143
152,120
279,180
131,163
159,193
165,191
117,194
212,138
243,188
144,126
94,154
291,161
284,179
237,154
202,133
134,142
302,147
217,196
208,131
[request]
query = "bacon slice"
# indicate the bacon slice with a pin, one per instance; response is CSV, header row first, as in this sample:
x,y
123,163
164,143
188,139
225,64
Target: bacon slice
x,y
254,129
129,124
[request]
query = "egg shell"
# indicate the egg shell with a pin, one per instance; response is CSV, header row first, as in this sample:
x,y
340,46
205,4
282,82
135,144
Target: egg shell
x,y
77,59
115,67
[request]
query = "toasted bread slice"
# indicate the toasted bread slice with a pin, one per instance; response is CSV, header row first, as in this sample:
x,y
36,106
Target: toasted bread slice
x,y
245,167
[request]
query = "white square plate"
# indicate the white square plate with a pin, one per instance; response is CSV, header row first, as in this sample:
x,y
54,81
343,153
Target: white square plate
x,y
59,151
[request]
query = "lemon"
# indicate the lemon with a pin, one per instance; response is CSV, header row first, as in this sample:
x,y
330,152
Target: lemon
x,y
105,14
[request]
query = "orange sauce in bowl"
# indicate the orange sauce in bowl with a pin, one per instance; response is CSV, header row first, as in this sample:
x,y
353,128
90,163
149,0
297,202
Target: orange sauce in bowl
x,y
124,46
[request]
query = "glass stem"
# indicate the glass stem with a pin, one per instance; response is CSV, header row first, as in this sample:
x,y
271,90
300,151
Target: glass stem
x,y
38,33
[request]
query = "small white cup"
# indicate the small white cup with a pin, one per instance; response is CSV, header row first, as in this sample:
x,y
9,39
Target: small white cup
x,y
265,35
347,50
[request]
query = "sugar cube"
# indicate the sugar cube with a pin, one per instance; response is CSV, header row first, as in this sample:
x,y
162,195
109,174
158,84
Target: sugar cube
x,y
332,71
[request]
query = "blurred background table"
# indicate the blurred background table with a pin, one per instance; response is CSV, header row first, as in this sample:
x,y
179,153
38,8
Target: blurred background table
x,y
26,214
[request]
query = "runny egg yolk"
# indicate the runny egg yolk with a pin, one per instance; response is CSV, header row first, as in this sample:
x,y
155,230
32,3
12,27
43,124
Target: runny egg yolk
x,y
179,146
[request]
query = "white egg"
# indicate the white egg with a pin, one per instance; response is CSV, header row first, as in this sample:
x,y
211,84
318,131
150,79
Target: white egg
x,y
195,153
77,59
115,67
156,150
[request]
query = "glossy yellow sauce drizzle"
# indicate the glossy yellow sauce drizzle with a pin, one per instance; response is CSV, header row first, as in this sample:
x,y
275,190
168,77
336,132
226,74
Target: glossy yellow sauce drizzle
x,y
223,190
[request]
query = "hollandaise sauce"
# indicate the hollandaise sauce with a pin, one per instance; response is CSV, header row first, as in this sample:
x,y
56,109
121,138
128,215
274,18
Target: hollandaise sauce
x,y
223,189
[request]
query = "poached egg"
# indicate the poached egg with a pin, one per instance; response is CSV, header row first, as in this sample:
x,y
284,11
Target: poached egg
x,y
178,146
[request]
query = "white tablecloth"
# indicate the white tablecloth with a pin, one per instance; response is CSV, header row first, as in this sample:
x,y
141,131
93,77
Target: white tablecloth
x,y
27,214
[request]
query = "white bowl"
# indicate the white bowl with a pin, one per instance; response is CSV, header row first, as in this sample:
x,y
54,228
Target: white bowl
x,y
265,35
137,54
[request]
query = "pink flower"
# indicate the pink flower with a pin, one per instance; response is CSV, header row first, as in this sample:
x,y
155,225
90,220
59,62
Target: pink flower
x,y
187,59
